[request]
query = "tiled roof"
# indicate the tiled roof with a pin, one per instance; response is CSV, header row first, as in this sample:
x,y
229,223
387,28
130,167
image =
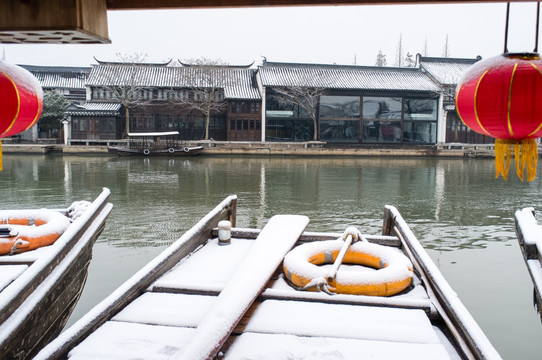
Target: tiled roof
x,y
237,83
59,77
345,77
94,108
446,71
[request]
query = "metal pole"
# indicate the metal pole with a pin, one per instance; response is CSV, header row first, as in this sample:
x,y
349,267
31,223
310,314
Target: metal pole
x,y
506,28
537,26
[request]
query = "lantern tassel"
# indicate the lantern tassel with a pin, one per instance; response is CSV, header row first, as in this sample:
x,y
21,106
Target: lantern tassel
x,y
525,154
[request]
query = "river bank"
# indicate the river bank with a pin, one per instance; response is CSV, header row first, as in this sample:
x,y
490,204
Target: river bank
x,y
280,149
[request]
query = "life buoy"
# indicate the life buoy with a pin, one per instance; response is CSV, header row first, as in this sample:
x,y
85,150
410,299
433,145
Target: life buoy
x,y
146,151
171,150
186,149
24,230
392,270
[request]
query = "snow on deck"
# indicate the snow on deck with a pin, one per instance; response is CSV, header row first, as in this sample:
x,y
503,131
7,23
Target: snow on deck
x,y
160,325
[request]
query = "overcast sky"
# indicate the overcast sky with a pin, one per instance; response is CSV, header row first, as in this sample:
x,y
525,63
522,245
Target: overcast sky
x,y
339,34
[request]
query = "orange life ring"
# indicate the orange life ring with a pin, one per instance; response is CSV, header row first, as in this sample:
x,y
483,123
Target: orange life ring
x,y
24,230
393,270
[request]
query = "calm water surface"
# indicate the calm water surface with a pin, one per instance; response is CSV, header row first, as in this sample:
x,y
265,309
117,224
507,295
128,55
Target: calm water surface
x,y
457,209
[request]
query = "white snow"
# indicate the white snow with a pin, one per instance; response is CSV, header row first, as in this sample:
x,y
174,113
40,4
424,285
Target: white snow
x,y
163,325
281,346
55,222
398,266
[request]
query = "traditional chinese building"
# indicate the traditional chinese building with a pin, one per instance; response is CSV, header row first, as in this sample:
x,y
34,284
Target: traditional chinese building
x,y
446,72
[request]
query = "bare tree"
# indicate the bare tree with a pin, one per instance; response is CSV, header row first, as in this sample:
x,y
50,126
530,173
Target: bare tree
x,y
205,79
399,58
307,98
123,81
381,59
446,48
409,61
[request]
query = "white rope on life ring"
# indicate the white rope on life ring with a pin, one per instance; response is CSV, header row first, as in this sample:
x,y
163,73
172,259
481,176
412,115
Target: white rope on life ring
x,y
171,150
186,149
146,151
393,270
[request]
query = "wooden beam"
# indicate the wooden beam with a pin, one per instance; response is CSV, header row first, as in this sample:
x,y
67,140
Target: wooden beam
x,y
187,4
53,21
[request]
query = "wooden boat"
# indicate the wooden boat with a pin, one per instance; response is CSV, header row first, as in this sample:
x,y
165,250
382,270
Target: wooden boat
x,y
40,288
201,300
529,235
155,144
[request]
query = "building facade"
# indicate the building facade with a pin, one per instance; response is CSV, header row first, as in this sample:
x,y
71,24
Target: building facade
x,y
286,102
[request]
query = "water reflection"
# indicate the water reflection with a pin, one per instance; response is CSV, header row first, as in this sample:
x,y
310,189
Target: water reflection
x,y
451,204
456,207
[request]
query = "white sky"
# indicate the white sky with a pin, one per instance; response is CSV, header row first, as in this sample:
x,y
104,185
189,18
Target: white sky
x,y
338,34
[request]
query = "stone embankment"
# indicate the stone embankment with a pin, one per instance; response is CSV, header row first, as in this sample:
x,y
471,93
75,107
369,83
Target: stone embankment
x,y
279,149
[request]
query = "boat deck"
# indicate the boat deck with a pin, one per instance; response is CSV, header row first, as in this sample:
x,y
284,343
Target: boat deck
x,y
201,299
282,323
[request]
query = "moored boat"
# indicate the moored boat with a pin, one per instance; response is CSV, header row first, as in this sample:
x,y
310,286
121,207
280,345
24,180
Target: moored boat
x,y
155,144
529,234
233,293
43,271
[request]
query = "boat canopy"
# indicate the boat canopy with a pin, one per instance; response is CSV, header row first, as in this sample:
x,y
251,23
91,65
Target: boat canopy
x,y
151,134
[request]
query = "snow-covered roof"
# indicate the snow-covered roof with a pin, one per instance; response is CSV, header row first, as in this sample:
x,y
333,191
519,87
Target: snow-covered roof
x,y
446,71
59,77
94,108
345,77
237,83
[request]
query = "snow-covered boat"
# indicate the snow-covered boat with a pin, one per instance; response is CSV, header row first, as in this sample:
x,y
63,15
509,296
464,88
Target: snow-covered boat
x,y
220,292
529,235
153,144
39,288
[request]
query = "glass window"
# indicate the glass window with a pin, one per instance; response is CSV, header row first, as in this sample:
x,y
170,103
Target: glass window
x,y
422,132
288,129
339,107
339,130
381,108
420,109
382,131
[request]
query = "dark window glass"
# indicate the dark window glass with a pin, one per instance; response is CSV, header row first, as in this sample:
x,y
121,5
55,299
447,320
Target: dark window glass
x,y
420,109
381,108
339,107
339,130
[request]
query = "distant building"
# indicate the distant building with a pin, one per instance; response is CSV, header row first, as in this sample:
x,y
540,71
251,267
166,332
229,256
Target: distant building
x,y
66,80
446,72
349,105
359,104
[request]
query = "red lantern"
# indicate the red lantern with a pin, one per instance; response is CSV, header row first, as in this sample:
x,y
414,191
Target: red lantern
x,y
21,100
502,97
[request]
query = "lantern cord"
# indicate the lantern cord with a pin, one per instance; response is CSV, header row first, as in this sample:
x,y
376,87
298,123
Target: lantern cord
x,y
537,25
525,154
506,28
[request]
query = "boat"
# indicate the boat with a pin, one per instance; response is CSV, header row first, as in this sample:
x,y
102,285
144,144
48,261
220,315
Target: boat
x,y
529,235
223,292
153,144
39,287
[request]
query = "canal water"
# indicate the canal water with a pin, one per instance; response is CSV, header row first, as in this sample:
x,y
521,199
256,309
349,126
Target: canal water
x,y
456,208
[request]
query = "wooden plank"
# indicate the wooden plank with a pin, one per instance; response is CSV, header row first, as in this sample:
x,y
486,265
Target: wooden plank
x,y
138,283
284,346
188,4
276,239
309,236
468,334
300,318
10,273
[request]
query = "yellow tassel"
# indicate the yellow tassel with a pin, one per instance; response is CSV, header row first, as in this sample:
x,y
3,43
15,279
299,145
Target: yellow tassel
x,y
525,153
